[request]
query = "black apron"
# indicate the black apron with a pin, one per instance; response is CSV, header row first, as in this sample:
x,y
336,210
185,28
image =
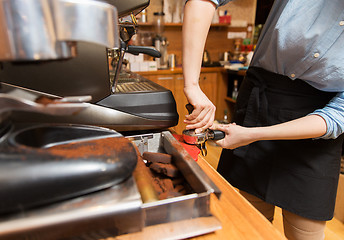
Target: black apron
x,y
300,176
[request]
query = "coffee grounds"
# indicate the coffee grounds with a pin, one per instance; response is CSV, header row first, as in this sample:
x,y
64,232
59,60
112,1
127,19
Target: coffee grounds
x,y
166,169
153,157
92,148
166,178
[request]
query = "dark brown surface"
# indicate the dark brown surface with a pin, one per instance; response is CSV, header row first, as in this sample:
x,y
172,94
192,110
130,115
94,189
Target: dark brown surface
x,y
98,147
157,157
168,170
45,100
165,178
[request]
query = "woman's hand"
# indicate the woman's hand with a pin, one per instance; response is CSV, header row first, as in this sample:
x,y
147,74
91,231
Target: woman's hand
x,y
310,126
203,114
235,135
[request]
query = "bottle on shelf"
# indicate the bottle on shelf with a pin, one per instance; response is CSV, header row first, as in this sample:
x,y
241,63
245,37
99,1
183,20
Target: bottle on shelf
x,y
144,16
225,117
249,34
235,90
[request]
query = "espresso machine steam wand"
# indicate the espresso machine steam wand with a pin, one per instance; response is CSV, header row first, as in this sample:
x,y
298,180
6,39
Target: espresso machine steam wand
x,y
127,29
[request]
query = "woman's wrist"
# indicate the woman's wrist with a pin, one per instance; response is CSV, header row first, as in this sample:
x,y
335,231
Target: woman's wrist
x,y
189,87
255,134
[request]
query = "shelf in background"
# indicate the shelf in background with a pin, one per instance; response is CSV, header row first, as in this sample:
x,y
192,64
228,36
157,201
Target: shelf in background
x,y
237,72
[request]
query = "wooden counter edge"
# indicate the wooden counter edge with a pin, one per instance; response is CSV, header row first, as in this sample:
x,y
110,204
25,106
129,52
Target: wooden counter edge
x,y
239,219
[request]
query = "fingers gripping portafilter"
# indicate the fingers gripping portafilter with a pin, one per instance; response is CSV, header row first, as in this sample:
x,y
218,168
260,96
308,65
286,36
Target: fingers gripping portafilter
x,y
199,139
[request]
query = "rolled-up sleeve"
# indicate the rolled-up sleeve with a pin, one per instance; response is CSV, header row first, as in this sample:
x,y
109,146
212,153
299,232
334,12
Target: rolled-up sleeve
x,y
333,114
218,3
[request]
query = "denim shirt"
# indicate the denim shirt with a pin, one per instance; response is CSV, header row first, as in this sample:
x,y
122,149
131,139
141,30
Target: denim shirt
x,y
305,40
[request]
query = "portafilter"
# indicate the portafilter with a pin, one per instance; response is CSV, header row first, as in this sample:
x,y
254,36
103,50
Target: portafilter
x,y
199,139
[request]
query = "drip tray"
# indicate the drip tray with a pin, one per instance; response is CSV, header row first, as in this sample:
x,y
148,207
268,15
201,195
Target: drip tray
x,y
119,211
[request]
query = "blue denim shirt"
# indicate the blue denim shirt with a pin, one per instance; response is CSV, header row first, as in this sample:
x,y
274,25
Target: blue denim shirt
x,y
305,40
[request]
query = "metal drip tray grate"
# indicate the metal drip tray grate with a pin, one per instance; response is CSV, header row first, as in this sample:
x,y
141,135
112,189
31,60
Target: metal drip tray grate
x,y
134,86
129,82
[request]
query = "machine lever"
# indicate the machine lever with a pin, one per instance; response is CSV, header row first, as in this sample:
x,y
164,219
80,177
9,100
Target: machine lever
x,y
136,50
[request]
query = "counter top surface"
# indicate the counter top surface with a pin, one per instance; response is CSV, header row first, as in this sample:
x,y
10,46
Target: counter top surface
x,y
238,218
179,70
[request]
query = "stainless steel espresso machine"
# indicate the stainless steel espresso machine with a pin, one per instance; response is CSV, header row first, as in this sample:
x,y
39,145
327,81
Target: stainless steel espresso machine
x,y
120,100
71,131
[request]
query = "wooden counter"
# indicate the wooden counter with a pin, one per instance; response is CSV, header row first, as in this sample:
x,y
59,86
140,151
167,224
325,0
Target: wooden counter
x,y
238,218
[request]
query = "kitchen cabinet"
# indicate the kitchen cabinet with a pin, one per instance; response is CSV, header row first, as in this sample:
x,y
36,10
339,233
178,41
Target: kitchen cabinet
x,y
173,80
208,84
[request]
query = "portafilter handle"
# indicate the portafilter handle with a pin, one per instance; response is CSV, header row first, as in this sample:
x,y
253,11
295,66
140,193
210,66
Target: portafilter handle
x,y
215,134
189,107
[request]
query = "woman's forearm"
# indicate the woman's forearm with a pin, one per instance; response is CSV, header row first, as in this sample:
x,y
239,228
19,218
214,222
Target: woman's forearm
x,y
311,126
198,15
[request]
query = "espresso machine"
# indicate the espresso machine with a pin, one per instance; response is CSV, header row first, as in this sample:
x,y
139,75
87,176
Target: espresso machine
x,y
120,100
71,132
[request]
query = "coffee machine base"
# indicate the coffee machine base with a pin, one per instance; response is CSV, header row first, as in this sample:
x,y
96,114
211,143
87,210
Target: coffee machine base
x,y
119,211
